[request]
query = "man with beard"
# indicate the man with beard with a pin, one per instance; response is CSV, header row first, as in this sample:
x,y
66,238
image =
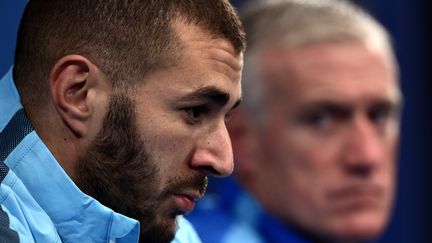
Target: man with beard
x,y
315,142
114,113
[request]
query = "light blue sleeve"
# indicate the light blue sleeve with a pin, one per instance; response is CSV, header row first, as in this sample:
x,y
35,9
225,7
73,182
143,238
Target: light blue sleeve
x,y
185,233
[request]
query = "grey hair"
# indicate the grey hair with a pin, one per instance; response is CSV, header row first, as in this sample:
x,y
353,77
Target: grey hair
x,y
293,23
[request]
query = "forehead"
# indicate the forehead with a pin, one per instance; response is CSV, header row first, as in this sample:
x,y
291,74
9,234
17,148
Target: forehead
x,y
201,61
198,45
350,70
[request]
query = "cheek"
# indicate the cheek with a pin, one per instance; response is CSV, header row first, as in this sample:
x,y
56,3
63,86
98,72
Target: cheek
x,y
386,171
309,167
304,158
306,168
169,145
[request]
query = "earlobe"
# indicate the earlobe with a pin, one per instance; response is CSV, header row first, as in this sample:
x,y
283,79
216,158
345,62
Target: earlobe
x,y
70,85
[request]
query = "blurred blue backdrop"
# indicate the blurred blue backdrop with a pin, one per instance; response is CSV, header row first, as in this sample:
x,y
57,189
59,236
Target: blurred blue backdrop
x,y
408,23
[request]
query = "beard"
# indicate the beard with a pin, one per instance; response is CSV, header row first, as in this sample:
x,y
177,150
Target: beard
x,y
120,173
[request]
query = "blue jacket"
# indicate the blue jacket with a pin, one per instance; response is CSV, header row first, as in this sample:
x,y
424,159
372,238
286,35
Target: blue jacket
x,y
39,202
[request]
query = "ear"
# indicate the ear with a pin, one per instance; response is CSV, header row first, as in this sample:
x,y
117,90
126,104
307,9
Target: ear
x,y
77,87
244,141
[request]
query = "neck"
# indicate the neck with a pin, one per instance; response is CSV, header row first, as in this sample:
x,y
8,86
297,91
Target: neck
x,y
58,138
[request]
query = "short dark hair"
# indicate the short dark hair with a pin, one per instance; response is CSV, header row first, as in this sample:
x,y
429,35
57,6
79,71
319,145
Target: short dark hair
x,y
127,39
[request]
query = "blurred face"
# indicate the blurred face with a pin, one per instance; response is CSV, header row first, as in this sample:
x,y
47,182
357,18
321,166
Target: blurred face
x,y
151,159
330,137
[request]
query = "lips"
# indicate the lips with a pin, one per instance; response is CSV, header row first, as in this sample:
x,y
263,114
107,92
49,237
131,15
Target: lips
x,y
185,201
185,192
357,190
356,196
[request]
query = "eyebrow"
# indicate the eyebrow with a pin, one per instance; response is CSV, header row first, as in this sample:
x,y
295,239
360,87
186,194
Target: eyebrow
x,y
210,93
343,108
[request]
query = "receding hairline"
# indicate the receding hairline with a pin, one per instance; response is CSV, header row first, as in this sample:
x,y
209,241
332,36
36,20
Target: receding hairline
x,y
192,35
291,21
292,24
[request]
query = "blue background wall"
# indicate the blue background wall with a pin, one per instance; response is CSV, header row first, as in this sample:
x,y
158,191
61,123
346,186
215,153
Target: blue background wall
x,y
10,13
408,23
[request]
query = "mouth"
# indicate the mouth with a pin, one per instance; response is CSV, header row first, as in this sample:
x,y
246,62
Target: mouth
x,y
357,196
185,201
185,193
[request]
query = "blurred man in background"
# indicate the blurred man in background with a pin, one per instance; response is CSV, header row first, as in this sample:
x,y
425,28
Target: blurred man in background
x,y
316,142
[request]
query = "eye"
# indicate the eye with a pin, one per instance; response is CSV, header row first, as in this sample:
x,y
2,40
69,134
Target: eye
x,y
380,114
325,118
320,119
195,114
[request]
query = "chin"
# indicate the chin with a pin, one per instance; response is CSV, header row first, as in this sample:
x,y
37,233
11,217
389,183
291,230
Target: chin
x,y
360,229
163,231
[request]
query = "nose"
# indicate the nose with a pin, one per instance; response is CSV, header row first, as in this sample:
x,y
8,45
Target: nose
x,y
363,148
213,154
